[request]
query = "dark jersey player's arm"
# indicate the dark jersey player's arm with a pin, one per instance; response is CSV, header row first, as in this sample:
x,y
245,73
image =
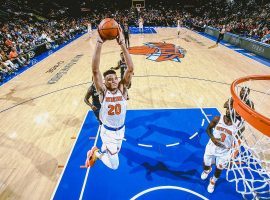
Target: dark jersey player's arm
x,y
212,125
117,67
87,97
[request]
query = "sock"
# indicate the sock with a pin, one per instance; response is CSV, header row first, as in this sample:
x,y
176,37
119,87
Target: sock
x,y
98,154
111,161
214,179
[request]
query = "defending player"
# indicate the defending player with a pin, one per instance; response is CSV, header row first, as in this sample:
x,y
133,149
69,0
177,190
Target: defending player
x,y
95,105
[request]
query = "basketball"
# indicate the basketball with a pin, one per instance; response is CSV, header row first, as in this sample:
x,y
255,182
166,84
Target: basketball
x,y
108,29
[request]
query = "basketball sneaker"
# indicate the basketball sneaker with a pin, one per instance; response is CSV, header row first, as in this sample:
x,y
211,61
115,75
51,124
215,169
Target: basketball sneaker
x,y
211,186
91,157
205,174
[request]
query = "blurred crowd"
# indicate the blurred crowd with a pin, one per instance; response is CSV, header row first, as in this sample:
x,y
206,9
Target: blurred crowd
x,y
243,17
30,28
23,39
247,18
25,32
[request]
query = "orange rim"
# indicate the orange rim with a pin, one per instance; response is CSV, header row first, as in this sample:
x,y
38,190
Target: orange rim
x,y
254,118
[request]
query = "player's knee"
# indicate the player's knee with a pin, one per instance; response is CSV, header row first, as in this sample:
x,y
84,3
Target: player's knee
x,y
218,172
206,168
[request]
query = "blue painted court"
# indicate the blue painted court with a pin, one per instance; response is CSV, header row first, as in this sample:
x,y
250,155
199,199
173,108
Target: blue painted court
x,y
160,159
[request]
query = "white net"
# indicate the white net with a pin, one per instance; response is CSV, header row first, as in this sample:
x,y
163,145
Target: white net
x,y
249,167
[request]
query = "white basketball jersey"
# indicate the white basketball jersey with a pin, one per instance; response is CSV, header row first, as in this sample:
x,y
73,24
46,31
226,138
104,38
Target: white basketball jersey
x,y
113,109
225,133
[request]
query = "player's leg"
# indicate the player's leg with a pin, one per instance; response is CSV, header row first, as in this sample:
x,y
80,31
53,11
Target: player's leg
x,y
208,160
94,153
219,38
96,112
213,180
111,148
178,32
111,145
221,163
109,155
128,43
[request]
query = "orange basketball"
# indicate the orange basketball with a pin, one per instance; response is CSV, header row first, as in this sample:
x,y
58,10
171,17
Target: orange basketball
x,y
108,29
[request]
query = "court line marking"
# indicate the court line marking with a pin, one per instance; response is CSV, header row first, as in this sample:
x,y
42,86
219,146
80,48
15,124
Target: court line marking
x,y
171,145
76,85
145,145
171,108
204,114
60,178
88,169
191,137
237,49
203,122
166,188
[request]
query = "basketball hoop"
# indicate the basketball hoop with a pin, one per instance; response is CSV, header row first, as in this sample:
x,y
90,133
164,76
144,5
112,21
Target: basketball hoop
x,y
249,166
138,7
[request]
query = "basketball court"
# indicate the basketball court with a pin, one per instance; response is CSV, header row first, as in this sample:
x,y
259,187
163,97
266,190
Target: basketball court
x,y
46,128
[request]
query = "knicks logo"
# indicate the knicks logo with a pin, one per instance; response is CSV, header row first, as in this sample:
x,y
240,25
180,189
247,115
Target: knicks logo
x,y
158,51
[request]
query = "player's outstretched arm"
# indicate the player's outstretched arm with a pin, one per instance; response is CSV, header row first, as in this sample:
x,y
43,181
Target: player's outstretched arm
x,y
97,77
130,67
209,131
212,125
226,104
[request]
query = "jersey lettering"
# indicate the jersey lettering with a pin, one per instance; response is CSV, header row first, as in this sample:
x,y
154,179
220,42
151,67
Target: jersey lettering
x,y
114,110
223,137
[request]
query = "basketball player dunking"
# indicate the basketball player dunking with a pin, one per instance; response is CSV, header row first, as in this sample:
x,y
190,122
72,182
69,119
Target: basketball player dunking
x,y
113,95
217,150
